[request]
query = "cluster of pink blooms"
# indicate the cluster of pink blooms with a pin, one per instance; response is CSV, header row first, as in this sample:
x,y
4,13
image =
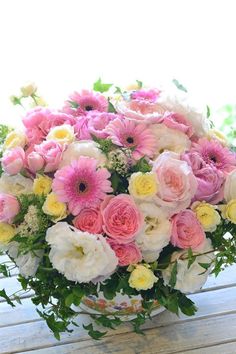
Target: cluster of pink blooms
x,y
195,171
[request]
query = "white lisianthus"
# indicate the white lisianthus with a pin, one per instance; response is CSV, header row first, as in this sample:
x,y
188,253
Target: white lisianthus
x,y
15,138
82,148
80,256
189,280
179,102
230,186
15,185
156,231
27,263
170,139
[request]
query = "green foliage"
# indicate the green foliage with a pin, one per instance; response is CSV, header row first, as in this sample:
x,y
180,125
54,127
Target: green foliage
x,y
227,115
105,145
173,275
141,166
93,333
4,130
139,83
74,104
6,297
179,85
111,108
4,270
101,87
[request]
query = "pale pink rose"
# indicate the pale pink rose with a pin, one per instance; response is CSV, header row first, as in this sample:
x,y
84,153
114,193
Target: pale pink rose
x,y
148,95
126,253
9,207
51,151
13,161
210,185
177,184
179,122
121,217
187,231
35,161
90,220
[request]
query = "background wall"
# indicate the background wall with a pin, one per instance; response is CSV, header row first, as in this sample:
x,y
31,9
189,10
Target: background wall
x,y
64,45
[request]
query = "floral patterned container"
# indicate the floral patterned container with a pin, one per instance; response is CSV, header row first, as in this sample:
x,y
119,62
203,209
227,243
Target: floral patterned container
x,y
122,306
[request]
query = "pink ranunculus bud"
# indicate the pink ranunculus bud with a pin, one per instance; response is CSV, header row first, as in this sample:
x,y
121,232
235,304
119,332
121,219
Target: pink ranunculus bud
x,y
13,161
9,207
35,161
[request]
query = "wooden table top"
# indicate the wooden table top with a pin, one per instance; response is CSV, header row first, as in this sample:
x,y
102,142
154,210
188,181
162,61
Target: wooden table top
x,y
211,331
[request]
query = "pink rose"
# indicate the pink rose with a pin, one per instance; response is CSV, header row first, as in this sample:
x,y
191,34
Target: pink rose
x,y
9,207
148,95
187,231
35,161
179,122
210,185
81,128
97,122
194,160
127,254
121,217
13,161
51,151
90,220
177,184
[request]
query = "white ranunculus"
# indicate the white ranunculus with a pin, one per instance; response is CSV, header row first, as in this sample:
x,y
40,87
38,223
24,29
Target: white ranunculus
x,y
27,263
150,256
80,256
170,139
82,148
180,103
230,186
15,185
156,231
193,278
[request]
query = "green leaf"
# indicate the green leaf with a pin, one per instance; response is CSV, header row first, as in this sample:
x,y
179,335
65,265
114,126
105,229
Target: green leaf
x,y
111,108
4,270
173,275
93,333
101,87
118,90
179,85
208,112
69,300
138,322
74,104
107,322
205,265
6,297
191,258
140,84
142,166
186,305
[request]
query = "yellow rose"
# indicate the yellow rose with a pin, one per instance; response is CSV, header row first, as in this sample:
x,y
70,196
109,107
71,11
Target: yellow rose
x,y
63,134
54,208
14,139
142,278
6,232
229,211
216,134
29,89
42,185
207,215
143,185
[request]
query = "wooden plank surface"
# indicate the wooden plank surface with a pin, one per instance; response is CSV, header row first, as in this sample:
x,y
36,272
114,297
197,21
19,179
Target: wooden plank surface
x,y
226,348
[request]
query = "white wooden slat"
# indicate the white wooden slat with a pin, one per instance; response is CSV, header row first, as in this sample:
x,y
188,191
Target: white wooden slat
x,y
4,259
36,334
176,338
215,302
11,285
226,348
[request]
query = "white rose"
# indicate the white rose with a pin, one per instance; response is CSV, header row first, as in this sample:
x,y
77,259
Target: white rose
x,y
156,231
150,256
15,185
82,148
27,263
80,256
180,103
170,139
190,279
230,186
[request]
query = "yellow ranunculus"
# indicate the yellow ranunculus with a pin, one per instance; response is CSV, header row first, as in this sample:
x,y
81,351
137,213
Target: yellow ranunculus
x,y
207,215
143,185
29,89
229,211
142,278
54,208
42,185
14,139
63,134
216,134
6,232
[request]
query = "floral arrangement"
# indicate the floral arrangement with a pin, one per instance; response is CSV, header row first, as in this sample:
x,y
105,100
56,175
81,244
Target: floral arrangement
x,y
119,192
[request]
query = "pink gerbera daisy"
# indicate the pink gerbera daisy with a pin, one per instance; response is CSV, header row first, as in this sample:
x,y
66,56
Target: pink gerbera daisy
x,y
136,137
86,101
213,153
82,184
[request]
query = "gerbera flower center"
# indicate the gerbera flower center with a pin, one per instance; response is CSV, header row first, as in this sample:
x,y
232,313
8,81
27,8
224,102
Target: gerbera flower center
x,y
213,158
82,187
88,108
130,140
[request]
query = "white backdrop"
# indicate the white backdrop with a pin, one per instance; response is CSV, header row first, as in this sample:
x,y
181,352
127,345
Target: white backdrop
x,y
64,45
